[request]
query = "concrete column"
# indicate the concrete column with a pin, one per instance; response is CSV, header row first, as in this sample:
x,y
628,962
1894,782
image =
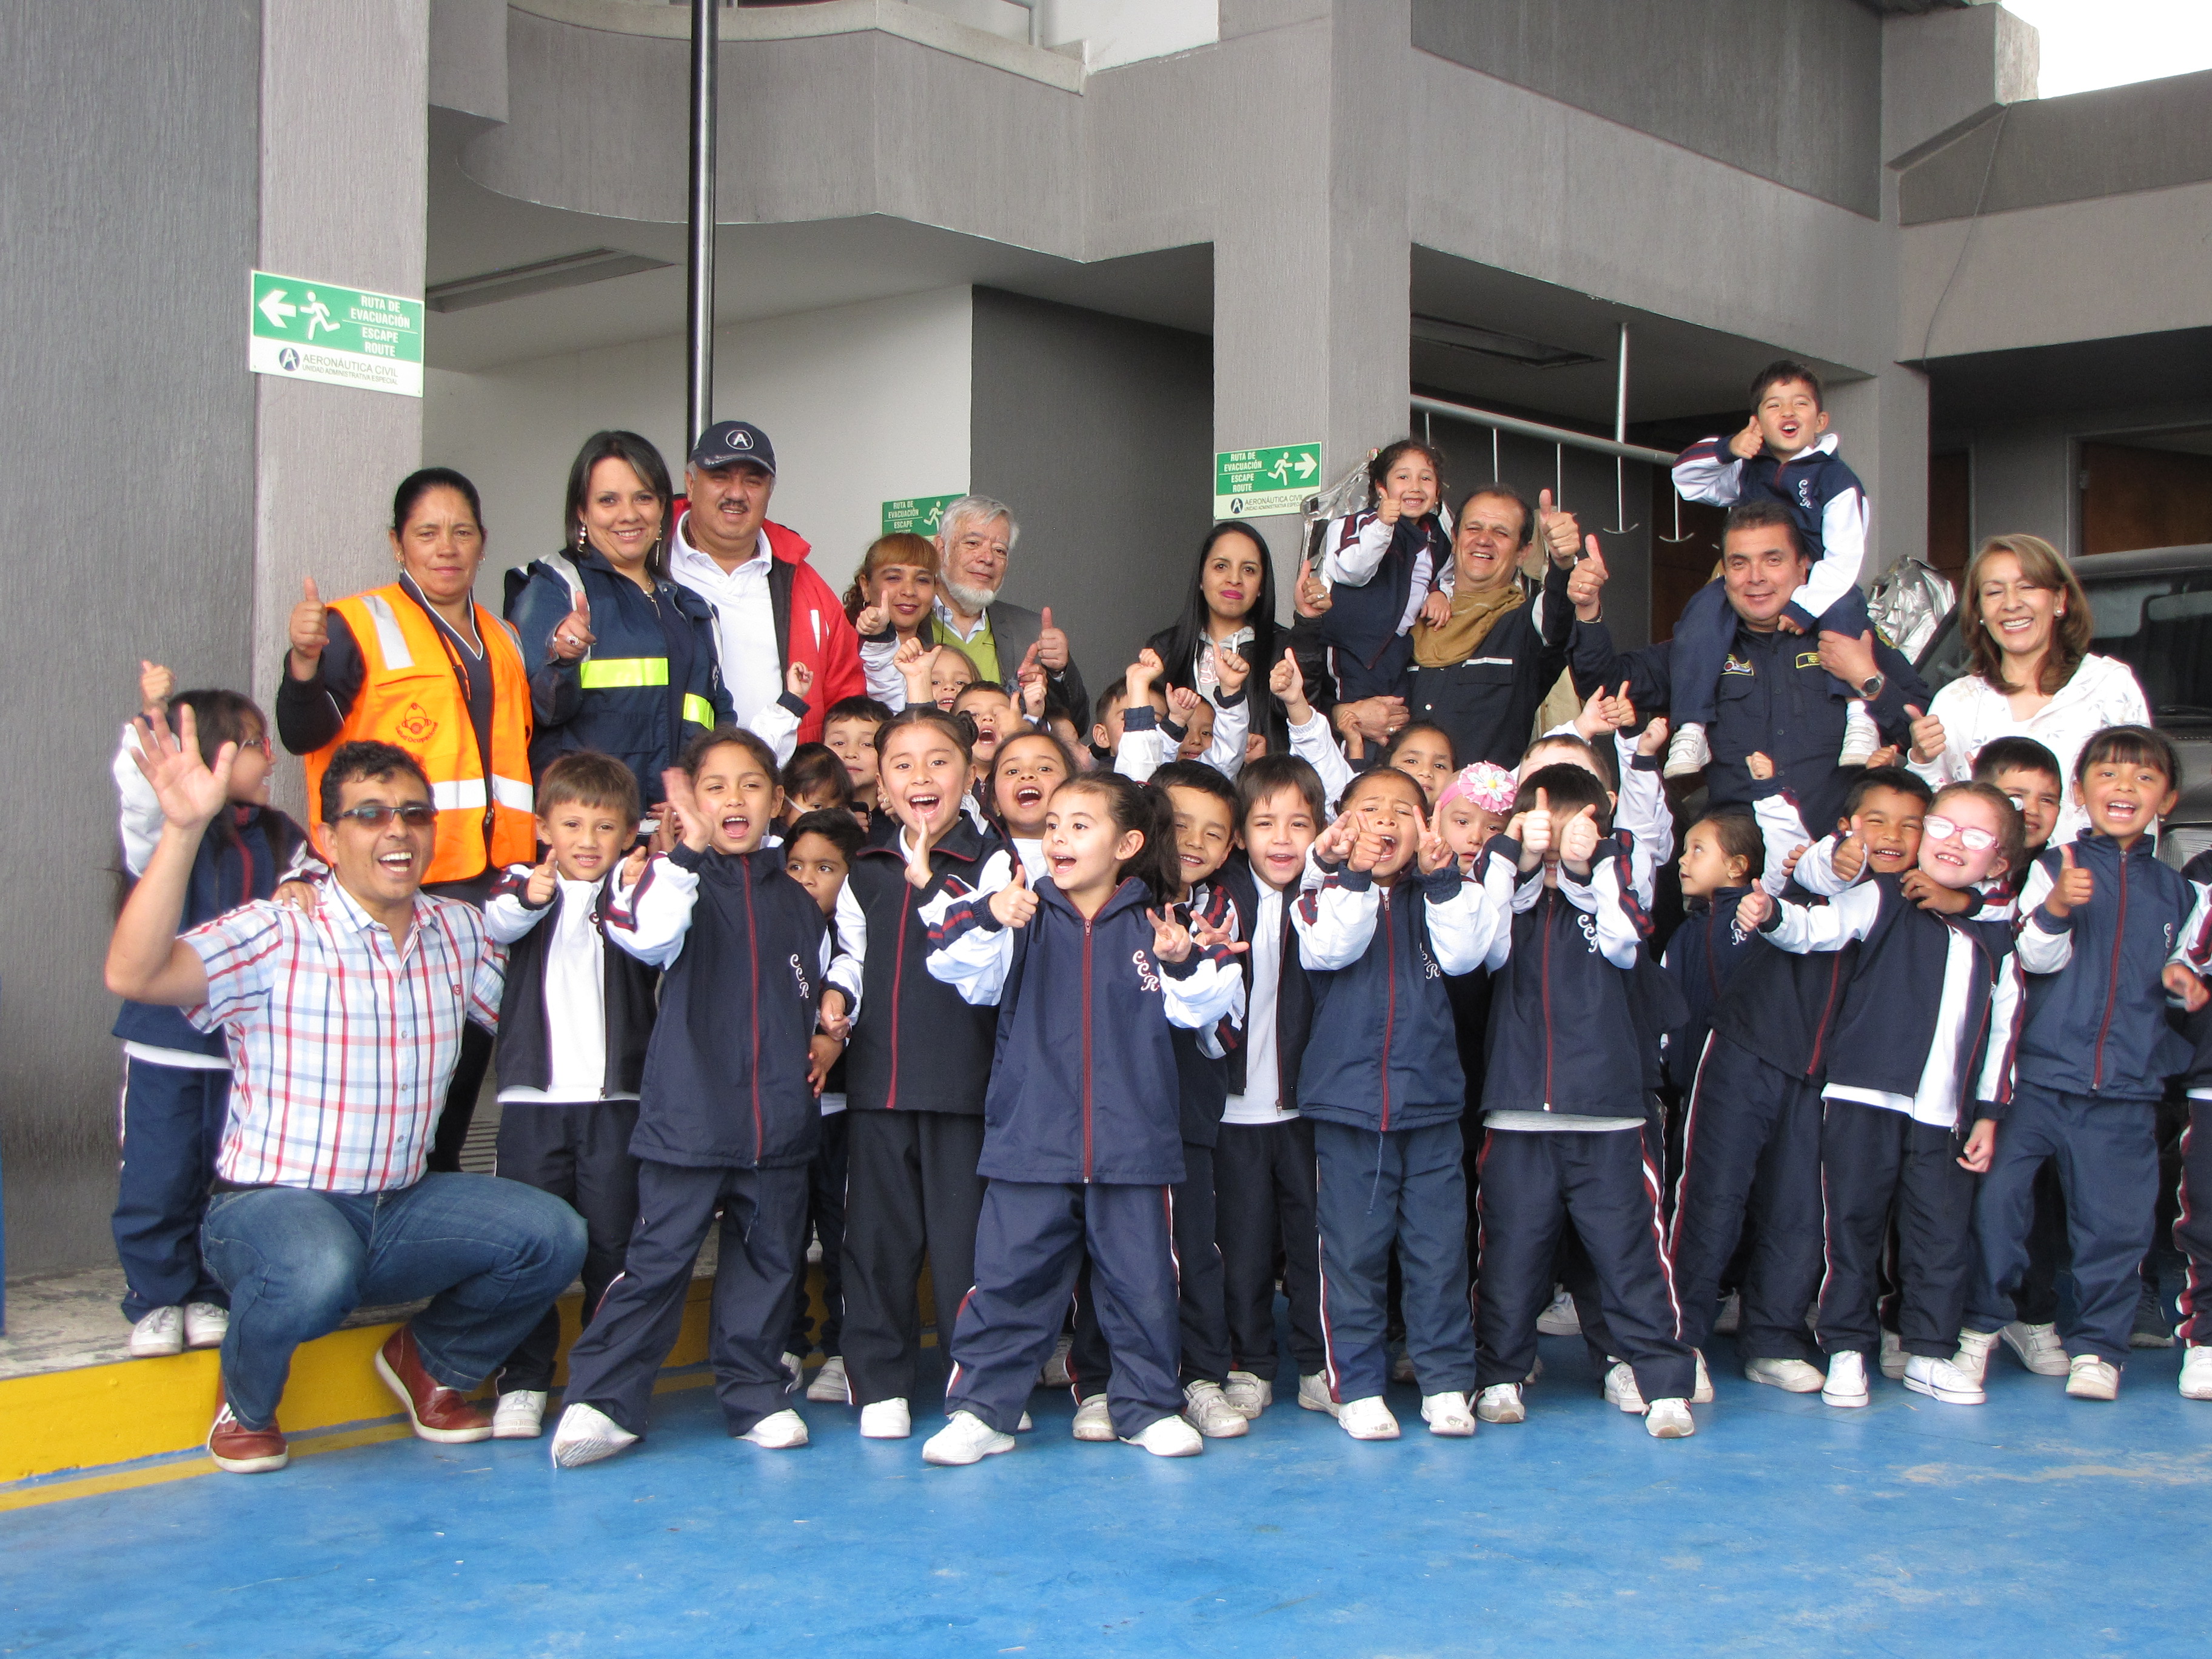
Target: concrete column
x,y
1311,268
1884,424
344,157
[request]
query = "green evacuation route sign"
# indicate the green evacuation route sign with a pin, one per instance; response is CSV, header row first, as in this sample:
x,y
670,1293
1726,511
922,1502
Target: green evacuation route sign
x,y
308,331
915,515
1249,484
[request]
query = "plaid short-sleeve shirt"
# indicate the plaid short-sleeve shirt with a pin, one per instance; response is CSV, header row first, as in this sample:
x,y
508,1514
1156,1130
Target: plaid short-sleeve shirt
x,y
341,1039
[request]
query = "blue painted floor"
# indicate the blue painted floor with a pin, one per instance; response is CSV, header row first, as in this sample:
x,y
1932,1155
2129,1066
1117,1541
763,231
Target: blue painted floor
x,y
2033,1525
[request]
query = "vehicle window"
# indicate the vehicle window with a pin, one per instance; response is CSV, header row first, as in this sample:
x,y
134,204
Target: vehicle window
x,y
2162,629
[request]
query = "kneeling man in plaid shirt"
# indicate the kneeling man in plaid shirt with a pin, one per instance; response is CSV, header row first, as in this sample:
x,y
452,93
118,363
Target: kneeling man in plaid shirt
x,y
343,1026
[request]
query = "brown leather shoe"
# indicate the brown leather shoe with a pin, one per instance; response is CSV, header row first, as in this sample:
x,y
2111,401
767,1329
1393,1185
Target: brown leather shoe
x,y
238,1449
438,1412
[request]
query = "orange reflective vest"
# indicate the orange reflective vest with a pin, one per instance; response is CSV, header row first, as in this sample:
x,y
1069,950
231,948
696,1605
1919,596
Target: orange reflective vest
x,y
411,696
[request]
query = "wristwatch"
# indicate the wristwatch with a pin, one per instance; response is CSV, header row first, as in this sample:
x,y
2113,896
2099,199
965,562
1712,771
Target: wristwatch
x,y
1870,687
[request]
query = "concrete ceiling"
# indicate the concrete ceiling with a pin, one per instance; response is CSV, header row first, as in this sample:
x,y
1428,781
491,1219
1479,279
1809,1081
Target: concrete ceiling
x,y
2171,366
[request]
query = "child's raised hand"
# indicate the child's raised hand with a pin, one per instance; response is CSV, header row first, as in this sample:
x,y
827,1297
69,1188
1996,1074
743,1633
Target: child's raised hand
x,y
633,867
1578,839
191,792
915,662
2074,887
1790,860
1285,681
1334,844
1535,837
1141,673
1171,940
1888,755
1435,854
1214,936
1230,668
822,1053
798,679
1016,902
1981,1147
1597,717
1029,678
1366,850
1386,505
544,882
1759,765
1851,854
1929,893
1746,444
833,1018
2185,986
1435,609
1752,909
157,685
680,800
1182,703
1927,735
1654,740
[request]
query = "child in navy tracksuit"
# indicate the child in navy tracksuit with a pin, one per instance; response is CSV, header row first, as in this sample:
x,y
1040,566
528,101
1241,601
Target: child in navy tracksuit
x,y
726,1116
1263,1166
1383,565
1084,1144
176,1080
1204,807
1565,1105
1923,1048
918,1068
1784,453
2192,1229
574,1024
1376,934
2103,919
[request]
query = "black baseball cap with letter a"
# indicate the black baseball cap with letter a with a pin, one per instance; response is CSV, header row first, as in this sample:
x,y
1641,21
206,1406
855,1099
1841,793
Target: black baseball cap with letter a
x,y
727,442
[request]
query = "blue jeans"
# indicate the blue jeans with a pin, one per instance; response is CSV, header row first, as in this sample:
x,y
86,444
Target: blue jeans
x,y
492,1254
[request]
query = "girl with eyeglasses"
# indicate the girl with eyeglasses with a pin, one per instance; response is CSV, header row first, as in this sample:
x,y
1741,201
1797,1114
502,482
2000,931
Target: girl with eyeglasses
x,y
176,1080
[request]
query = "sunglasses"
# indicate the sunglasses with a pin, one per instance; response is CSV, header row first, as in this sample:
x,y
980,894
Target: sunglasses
x,y
374,815
1935,827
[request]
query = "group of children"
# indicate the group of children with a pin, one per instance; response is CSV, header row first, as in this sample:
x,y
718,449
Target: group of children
x,y
1115,1034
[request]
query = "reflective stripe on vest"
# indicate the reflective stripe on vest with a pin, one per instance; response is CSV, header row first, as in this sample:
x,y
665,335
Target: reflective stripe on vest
x,y
621,673
698,711
391,638
468,795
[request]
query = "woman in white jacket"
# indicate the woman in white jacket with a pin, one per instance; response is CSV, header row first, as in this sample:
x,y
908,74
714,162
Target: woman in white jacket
x,y
2027,624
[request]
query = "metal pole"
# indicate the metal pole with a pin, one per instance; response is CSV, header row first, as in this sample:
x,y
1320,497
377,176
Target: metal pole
x,y
1620,436
699,297
1550,434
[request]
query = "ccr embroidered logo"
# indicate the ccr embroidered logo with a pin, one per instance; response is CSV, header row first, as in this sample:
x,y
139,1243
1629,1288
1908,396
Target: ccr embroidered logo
x,y
798,973
415,724
1145,976
1588,923
1804,492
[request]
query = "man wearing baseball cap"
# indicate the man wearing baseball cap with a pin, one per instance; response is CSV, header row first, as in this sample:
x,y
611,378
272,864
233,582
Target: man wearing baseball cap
x,y
771,609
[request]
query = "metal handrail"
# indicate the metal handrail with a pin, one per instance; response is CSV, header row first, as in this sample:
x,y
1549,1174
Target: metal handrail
x,y
1550,434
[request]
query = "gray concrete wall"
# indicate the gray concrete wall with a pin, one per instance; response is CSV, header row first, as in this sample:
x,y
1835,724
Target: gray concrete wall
x,y
1096,430
1788,89
129,197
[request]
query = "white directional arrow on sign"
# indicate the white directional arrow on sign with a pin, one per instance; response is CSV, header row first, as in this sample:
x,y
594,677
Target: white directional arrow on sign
x,y
1307,466
274,308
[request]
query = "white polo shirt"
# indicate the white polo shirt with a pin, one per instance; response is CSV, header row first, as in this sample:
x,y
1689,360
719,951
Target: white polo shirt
x,y
745,620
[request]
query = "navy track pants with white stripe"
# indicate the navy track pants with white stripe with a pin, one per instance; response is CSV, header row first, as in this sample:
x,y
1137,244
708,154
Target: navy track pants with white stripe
x,y
1030,1240
1876,1164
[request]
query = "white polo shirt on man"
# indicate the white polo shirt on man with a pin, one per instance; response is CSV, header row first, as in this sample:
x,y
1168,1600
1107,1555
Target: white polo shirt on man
x,y
745,620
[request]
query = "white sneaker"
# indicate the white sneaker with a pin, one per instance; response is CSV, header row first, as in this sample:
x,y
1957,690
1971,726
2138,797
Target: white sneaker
x,y
1208,1411
1972,1359
1731,1315
1790,1375
1092,1420
966,1439
2088,1377
796,1364
886,1419
1056,1373
2037,1345
1620,1389
1249,1394
1501,1403
1861,739
1447,1414
828,1385
585,1435
1687,750
1559,1319
1670,1419
1702,1392
1939,1379
1313,1393
2196,1373
205,1325
1170,1436
783,1430
158,1335
1402,1368
1893,1355
520,1415
1367,1420
1846,1383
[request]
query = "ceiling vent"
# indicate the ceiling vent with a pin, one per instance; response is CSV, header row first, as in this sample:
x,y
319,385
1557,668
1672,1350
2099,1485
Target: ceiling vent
x,y
569,271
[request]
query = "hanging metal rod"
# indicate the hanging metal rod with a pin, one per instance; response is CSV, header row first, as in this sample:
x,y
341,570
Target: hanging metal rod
x,y
1550,434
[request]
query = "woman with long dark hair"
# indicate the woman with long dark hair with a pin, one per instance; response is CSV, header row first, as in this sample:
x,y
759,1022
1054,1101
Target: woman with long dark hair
x,y
1231,606
621,660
